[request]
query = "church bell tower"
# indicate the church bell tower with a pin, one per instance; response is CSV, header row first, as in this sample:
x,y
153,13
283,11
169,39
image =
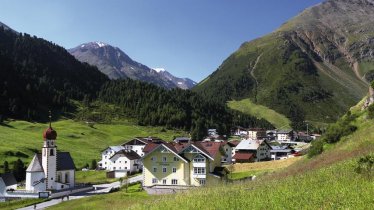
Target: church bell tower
x,y
49,155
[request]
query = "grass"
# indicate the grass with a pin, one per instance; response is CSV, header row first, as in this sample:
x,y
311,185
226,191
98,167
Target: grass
x,y
83,142
243,170
247,106
16,204
114,200
93,177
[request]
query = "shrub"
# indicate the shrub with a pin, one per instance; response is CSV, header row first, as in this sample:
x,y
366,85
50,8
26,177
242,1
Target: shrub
x,y
371,111
316,148
365,166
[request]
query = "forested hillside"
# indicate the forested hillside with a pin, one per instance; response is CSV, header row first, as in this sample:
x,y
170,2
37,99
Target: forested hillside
x,y
37,75
176,108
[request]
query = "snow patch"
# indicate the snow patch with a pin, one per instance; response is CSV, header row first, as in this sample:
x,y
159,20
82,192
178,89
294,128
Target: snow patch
x,y
158,70
180,83
101,44
82,45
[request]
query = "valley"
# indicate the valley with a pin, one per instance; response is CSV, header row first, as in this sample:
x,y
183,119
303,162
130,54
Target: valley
x,y
285,121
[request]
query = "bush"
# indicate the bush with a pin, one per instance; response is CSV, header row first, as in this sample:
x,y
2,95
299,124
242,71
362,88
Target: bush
x,y
365,166
371,111
316,148
340,129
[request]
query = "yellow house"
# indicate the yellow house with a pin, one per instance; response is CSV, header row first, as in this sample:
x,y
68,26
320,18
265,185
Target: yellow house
x,y
181,164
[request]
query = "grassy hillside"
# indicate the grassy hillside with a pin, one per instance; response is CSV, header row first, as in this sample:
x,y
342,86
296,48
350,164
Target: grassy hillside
x,y
82,141
328,181
247,106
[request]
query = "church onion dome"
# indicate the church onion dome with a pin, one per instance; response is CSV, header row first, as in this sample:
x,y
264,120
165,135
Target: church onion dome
x,y
50,134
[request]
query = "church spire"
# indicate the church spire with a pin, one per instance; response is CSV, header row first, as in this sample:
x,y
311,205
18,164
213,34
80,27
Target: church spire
x,y
50,119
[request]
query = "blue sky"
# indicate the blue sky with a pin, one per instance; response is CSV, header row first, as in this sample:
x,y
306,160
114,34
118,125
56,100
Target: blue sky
x,y
189,38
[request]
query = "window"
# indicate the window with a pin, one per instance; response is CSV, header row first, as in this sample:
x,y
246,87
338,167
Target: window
x,y
105,157
154,181
202,181
126,167
174,181
174,170
153,159
176,159
126,161
114,168
164,169
164,181
199,159
51,153
199,170
154,169
163,159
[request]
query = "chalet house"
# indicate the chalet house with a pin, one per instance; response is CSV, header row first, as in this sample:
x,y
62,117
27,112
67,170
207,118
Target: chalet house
x,y
233,151
301,136
7,182
110,155
239,131
271,134
256,133
252,150
228,147
126,161
181,164
212,132
106,154
285,135
137,145
281,152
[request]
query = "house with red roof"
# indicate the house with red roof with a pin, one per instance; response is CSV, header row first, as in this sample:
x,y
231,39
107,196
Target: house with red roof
x,y
181,164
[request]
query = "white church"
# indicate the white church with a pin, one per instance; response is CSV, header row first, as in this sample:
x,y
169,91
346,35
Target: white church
x,y
50,170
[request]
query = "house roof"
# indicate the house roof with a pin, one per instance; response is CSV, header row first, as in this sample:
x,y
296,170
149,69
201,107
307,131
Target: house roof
x,y
243,156
149,147
64,162
136,141
249,144
114,148
284,131
256,129
212,148
35,165
233,143
130,154
182,139
167,146
8,179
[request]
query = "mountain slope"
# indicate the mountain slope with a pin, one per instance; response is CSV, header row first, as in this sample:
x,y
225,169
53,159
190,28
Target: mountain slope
x,y
184,83
113,62
37,75
311,68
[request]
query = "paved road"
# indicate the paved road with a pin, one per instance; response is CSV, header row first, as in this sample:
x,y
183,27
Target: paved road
x,y
99,189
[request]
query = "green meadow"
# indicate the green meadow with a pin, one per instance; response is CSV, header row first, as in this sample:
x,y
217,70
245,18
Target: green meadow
x,y
247,106
21,139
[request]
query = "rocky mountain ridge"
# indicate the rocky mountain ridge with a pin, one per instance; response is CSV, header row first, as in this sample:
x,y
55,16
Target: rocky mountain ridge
x,y
113,62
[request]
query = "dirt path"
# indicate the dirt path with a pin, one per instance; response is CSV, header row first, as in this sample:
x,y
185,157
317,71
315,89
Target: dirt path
x,y
254,67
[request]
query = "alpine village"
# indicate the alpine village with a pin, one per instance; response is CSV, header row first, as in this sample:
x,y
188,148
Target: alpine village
x,y
285,122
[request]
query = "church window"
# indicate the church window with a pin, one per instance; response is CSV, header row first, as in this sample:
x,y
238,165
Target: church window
x,y
51,153
66,177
